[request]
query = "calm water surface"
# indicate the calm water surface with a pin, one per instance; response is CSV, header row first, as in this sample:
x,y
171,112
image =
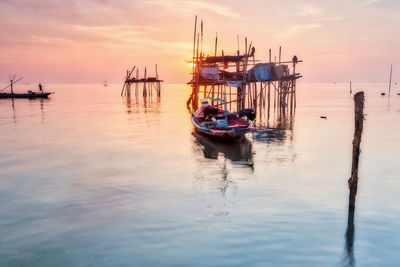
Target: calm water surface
x,y
88,178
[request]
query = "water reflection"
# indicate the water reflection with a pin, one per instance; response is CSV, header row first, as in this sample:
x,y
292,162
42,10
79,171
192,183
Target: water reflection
x,y
277,133
348,259
32,103
239,152
13,108
146,104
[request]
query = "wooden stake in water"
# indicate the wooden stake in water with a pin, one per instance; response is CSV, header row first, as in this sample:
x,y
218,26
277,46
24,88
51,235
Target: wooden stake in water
x,y
353,181
359,122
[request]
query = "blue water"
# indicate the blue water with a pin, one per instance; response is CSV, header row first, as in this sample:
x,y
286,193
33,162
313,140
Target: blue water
x,y
88,178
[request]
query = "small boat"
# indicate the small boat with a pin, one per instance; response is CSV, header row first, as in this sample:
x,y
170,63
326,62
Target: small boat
x,y
30,94
216,122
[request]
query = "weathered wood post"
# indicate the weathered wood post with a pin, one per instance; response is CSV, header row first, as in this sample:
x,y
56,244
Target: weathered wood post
x,y
11,86
350,88
353,181
359,120
136,84
144,84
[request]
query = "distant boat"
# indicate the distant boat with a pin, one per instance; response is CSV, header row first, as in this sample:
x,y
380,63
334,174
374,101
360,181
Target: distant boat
x,y
30,94
213,121
105,83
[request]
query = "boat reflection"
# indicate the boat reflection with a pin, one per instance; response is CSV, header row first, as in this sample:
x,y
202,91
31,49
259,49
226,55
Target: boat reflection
x,y
239,152
32,103
220,163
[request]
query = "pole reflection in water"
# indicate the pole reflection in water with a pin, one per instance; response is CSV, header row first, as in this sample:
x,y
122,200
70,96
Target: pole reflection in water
x,y
348,259
13,108
147,104
32,103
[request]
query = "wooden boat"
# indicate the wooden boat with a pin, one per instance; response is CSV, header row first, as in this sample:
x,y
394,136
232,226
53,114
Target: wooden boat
x,y
216,122
30,94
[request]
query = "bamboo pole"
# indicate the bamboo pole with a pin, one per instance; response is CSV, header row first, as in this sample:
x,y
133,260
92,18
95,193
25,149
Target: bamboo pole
x,y
280,53
194,43
350,88
197,69
230,98
137,85
216,44
244,81
144,84
270,55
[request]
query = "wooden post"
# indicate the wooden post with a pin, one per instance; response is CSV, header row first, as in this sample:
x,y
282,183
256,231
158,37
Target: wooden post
x,y
350,88
144,84
238,50
194,67
359,120
230,98
194,43
11,86
280,52
137,84
216,44
353,181
244,81
195,96
270,56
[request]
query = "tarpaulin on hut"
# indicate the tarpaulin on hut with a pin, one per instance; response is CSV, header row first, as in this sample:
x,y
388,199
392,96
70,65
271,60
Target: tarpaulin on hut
x,y
263,72
281,70
209,72
234,83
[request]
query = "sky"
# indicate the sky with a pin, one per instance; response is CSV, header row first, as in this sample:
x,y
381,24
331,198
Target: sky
x,y
89,41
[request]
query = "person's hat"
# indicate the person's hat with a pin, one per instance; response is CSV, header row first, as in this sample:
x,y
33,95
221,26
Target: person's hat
x,y
204,101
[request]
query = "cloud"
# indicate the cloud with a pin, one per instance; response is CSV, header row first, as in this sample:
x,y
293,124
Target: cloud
x,y
191,7
315,13
126,36
369,2
297,29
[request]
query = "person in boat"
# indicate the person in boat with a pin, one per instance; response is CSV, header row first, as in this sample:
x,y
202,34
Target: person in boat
x,y
209,111
40,87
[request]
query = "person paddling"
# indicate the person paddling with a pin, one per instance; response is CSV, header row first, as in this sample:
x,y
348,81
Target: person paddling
x,y
40,87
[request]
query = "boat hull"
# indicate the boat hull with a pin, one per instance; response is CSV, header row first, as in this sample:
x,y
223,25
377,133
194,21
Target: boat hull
x,y
35,95
231,133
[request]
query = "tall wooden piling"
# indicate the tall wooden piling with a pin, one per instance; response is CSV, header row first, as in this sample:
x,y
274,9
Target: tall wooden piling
x,y
359,123
353,181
